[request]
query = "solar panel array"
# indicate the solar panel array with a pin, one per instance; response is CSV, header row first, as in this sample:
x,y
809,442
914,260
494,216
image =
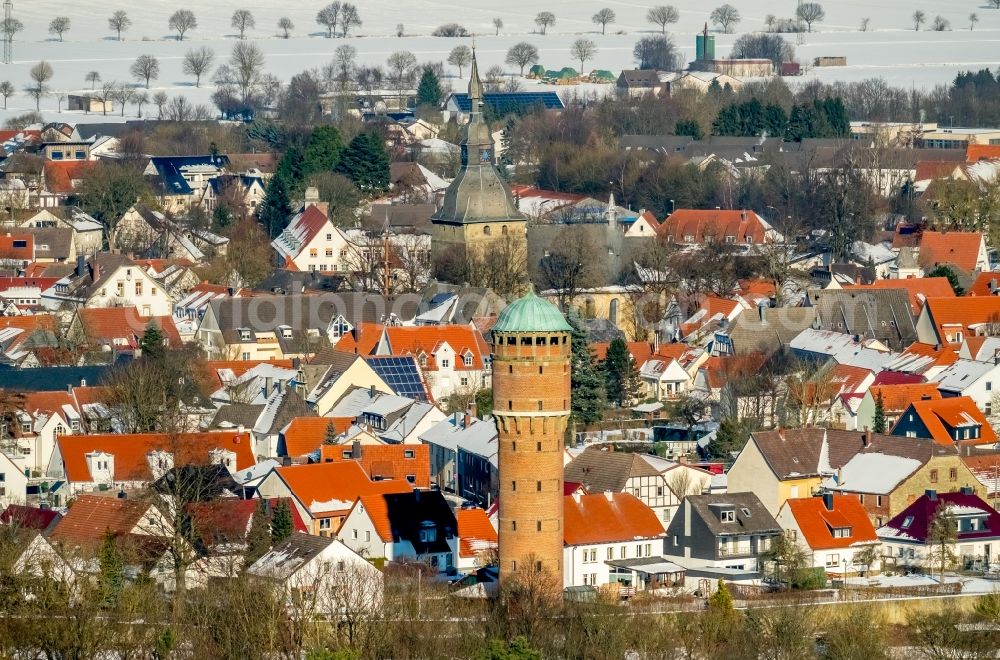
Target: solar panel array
x,y
510,101
401,374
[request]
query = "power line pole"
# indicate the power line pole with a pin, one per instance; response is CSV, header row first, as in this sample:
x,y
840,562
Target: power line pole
x,y
8,37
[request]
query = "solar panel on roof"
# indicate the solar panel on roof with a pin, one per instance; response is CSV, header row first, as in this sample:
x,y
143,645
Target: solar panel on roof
x,y
401,374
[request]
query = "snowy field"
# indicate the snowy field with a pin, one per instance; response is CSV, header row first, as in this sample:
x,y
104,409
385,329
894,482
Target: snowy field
x,y
891,49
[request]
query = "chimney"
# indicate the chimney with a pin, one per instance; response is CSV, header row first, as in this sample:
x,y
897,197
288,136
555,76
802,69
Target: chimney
x,y
467,419
231,291
122,495
83,382
828,501
356,450
81,264
840,476
866,438
268,384
993,285
762,312
967,490
416,494
931,494
69,388
609,496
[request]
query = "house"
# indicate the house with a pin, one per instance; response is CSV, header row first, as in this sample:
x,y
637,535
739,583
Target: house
x,y
790,463
30,340
721,533
150,233
266,420
409,463
764,332
600,471
463,457
118,329
947,421
922,361
895,399
477,540
60,179
302,437
985,467
415,525
685,227
109,280
972,379
311,242
819,346
907,539
389,418
947,321
339,581
639,82
323,493
13,483
246,190
669,371
114,462
965,250
180,182
835,531
250,381
918,289
880,314
29,517
339,371
605,527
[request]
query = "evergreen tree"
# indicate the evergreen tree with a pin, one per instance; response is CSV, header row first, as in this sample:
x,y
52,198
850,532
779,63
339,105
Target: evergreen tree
x,y
946,271
322,153
621,378
330,436
276,208
366,163
151,342
721,601
429,90
259,536
484,402
588,397
290,168
878,419
111,579
689,127
281,523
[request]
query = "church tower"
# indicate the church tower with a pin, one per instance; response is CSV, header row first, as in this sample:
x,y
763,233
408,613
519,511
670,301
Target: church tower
x,y
531,404
478,208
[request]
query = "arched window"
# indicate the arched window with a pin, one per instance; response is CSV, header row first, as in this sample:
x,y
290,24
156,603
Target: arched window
x,y
487,230
503,230
613,311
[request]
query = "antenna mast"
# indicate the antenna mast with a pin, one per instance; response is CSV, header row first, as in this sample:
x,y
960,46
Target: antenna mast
x,y
8,39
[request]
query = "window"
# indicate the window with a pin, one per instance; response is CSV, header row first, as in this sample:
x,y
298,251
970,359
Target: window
x,y
80,155
464,381
368,536
989,386
832,560
313,252
728,516
409,453
329,252
428,533
878,500
120,289
953,474
934,476
539,405
446,363
324,523
538,526
246,355
467,360
538,446
411,478
513,486
623,552
907,521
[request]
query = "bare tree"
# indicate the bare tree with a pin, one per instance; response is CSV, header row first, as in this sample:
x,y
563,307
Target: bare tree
x,y
809,13
106,93
522,54
58,26
973,19
9,27
571,263
140,98
919,18
460,56
243,21
286,26
160,101
40,75
119,22
583,50
247,62
663,15
123,94
493,78
329,16
349,18
498,24
865,24
197,63
145,68
401,66
93,77
544,20
726,17
941,24
182,21
603,17
6,90
344,58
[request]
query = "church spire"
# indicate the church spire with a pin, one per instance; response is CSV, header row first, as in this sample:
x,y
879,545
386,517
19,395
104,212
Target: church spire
x,y
475,87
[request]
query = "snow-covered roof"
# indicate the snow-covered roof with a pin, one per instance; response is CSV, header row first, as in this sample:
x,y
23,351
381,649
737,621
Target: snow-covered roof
x,y
873,473
963,374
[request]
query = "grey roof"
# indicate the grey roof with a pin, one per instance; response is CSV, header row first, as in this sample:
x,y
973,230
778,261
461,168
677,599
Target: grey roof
x,y
606,471
99,270
750,334
237,414
412,218
284,559
281,408
51,242
962,374
759,521
882,314
284,281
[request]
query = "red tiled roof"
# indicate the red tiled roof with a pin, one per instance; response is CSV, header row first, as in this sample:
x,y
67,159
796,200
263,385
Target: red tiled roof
x,y
228,519
475,532
849,379
29,323
897,378
60,175
936,169
530,191
719,370
42,283
334,487
426,340
817,522
917,289
608,518
386,462
90,517
896,398
685,226
977,152
28,517
964,312
130,451
304,435
103,325
362,340
960,248
955,412
17,247
981,286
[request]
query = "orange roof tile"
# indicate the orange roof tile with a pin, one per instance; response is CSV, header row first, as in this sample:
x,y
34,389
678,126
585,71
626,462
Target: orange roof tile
x,y
896,398
608,518
90,517
850,379
977,152
475,532
47,402
694,226
386,462
362,340
955,412
61,176
639,350
764,288
105,325
960,248
426,339
936,169
332,488
817,522
917,289
304,435
17,247
130,451
29,323
984,284
719,370
965,313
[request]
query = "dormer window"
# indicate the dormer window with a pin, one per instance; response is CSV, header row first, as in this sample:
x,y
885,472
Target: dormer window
x,y
244,334
467,359
422,359
286,332
409,453
727,516
428,532
841,532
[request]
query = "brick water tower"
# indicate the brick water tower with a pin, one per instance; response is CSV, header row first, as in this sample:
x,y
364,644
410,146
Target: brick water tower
x,y
531,404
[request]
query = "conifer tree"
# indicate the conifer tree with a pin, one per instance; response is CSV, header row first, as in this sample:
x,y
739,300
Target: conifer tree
x,y
878,419
621,378
276,208
330,438
322,153
259,536
429,90
588,397
366,163
281,523
151,342
111,579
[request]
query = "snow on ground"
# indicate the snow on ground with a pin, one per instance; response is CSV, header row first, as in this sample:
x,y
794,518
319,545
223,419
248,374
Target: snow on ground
x,y
970,585
891,49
